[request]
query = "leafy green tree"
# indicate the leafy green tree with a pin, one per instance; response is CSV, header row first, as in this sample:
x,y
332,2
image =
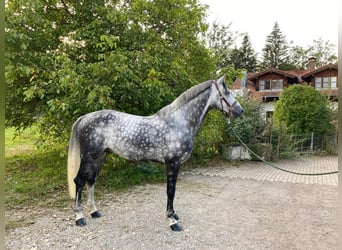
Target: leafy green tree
x,y
245,56
303,110
298,56
323,51
67,58
220,38
275,52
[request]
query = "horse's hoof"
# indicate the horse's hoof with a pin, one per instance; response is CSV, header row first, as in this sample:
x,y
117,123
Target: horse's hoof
x,y
172,215
176,227
95,214
81,222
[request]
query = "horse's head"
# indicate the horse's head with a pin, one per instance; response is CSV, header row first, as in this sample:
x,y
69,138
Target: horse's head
x,y
224,99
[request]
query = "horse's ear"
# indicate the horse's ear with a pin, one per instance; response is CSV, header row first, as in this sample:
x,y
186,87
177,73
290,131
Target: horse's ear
x,y
222,78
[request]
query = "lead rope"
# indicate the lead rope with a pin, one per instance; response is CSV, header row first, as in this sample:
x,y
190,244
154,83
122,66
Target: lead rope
x,y
272,165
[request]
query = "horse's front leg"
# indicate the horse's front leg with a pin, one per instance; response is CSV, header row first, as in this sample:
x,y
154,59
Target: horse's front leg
x,y
172,168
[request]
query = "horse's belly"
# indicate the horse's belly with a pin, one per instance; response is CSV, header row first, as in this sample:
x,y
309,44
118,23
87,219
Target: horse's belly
x,y
139,152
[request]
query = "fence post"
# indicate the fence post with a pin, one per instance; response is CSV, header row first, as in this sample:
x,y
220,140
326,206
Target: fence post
x,y
312,138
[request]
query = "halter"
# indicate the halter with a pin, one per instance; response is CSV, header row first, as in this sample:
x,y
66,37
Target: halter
x,y
223,99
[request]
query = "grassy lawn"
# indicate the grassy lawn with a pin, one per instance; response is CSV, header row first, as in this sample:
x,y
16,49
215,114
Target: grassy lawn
x,y
37,176
18,144
33,175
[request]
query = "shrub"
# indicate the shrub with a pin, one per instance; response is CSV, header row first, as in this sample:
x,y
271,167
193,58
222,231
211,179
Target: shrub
x,y
303,110
208,141
250,126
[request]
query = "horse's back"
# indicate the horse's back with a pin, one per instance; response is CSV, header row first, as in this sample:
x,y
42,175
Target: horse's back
x,y
130,136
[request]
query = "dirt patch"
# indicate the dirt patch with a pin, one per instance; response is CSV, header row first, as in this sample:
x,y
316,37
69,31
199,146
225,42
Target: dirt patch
x,y
216,213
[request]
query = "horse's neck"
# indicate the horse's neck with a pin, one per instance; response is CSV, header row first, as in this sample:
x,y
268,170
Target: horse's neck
x,y
192,113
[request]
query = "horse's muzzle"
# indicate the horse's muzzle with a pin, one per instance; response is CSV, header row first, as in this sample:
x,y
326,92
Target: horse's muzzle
x,y
237,111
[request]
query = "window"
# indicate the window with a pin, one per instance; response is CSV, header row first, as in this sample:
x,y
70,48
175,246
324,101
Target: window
x,y
261,85
325,82
264,84
276,84
267,85
318,82
333,82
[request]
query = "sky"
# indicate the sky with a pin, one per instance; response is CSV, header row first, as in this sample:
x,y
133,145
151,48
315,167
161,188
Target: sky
x,y
301,21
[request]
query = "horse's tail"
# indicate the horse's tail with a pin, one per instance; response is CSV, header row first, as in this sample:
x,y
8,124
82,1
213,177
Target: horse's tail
x,y
74,160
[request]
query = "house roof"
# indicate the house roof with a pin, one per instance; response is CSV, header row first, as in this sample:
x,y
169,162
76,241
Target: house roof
x,y
237,82
320,69
289,74
292,74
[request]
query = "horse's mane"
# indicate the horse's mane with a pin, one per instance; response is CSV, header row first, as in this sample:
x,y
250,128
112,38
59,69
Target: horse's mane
x,y
185,97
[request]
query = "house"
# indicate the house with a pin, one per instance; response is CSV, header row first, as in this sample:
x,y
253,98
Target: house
x,y
268,84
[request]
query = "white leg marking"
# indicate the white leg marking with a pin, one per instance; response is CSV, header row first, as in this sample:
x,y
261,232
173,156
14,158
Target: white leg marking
x,y
91,199
173,221
78,209
79,215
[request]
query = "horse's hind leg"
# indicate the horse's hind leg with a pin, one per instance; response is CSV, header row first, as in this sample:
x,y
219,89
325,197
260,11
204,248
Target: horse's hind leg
x,y
80,182
91,199
87,173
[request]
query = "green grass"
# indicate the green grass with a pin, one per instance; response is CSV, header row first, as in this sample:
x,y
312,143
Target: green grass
x,y
124,175
38,176
18,143
35,177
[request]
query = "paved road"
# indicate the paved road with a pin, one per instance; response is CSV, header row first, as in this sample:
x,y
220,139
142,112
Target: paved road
x,y
263,172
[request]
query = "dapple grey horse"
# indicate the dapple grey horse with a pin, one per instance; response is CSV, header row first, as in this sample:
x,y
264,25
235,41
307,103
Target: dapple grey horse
x,y
165,137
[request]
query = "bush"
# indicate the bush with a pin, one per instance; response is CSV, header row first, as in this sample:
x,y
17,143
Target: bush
x,y
281,142
208,141
250,126
303,110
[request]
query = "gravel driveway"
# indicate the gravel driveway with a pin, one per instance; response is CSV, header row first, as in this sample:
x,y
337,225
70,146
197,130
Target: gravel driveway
x,y
217,212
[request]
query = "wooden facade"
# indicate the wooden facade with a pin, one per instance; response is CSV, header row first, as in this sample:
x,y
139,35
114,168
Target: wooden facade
x,y
269,83
324,79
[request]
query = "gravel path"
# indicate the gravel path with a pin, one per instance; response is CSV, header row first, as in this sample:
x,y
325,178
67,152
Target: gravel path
x,y
217,212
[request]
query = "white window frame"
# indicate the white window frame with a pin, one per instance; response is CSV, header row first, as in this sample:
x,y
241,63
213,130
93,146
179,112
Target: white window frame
x,y
278,82
333,82
318,82
325,82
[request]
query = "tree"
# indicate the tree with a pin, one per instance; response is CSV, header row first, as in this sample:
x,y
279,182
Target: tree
x,y
323,51
245,56
298,57
220,38
67,58
303,110
275,52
